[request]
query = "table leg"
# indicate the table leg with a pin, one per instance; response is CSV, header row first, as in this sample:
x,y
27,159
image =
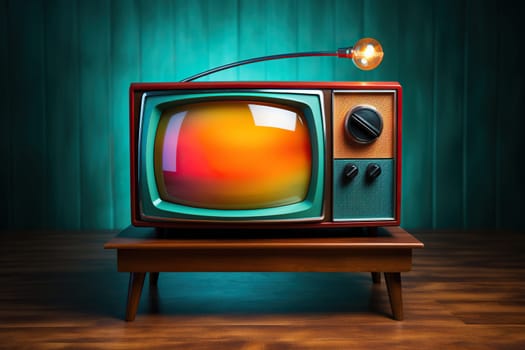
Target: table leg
x,y
376,277
136,281
393,284
153,279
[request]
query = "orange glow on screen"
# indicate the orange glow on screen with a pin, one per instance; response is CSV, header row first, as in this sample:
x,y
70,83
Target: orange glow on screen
x,y
232,155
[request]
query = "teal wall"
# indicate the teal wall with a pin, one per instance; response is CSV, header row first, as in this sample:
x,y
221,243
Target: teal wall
x,y
65,68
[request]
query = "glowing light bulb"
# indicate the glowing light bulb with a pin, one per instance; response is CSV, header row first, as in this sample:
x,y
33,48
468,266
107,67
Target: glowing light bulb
x,y
367,54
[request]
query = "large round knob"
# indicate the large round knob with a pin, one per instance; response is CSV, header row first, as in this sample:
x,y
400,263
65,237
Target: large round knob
x,y
364,124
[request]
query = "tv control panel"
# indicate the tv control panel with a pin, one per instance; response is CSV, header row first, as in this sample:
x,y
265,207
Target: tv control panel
x,y
364,155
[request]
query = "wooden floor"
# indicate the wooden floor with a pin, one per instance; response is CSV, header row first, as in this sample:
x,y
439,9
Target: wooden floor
x,y
62,291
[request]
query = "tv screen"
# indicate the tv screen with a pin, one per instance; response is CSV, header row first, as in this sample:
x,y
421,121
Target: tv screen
x,y
238,154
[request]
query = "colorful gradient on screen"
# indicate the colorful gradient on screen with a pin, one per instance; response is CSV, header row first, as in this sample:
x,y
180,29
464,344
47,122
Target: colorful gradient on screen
x,y
233,155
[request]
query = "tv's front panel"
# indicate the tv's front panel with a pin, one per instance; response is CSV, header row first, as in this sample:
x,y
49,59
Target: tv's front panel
x,y
231,159
364,152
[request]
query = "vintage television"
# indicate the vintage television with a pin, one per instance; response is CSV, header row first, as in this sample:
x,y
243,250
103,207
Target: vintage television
x,y
265,154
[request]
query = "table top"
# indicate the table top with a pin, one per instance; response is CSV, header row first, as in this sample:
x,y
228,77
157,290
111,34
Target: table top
x,y
149,238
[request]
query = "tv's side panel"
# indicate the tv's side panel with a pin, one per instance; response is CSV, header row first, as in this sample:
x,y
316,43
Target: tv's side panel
x,y
134,115
399,145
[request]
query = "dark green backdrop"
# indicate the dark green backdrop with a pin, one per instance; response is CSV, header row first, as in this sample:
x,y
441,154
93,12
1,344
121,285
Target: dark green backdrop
x,y
66,66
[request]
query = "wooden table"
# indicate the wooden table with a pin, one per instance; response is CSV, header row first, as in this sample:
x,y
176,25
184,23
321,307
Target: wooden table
x,y
143,250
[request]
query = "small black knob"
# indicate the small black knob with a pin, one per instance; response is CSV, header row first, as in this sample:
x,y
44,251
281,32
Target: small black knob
x,y
350,171
373,170
364,124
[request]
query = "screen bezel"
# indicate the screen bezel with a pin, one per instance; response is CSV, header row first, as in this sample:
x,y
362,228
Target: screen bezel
x,y
154,208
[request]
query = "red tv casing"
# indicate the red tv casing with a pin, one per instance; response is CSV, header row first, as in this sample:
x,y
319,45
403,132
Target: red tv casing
x,y
338,100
